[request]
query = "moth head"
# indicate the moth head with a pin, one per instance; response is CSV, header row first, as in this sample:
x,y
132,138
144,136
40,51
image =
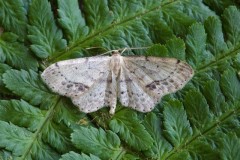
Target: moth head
x,y
115,62
115,52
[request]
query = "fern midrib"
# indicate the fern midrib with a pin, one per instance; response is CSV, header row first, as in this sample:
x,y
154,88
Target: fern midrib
x,y
49,114
120,155
131,128
223,118
222,58
105,30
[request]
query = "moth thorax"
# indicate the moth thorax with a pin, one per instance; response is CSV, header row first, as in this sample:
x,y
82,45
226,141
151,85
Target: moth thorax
x,y
115,63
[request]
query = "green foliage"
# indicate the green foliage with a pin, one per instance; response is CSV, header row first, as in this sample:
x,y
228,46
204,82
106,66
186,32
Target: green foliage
x,y
25,114
160,146
104,144
13,17
127,124
72,21
177,126
3,68
15,54
45,36
199,122
14,137
28,86
73,156
231,25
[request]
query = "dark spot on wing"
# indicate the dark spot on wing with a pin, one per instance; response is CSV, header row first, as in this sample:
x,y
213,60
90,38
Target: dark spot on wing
x,y
128,80
157,82
184,76
176,85
81,88
109,80
56,64
146,58
69,85
181,69
165,83
178,61
151,86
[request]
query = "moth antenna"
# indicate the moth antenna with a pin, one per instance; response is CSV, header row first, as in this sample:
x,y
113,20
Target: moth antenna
x,y
107,52
123,51
134,48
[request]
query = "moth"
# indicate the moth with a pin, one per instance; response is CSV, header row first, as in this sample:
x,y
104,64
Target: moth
x,y
138,82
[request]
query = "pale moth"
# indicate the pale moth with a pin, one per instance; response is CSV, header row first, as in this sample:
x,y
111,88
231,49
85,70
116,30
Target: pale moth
x,y
138,82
